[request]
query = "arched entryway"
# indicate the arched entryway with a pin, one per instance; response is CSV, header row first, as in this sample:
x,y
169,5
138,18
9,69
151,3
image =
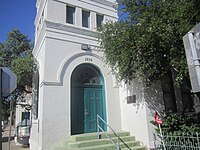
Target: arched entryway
x,y
87,99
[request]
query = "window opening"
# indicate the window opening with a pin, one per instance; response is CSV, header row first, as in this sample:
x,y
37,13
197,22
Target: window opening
x,y
70,14
99,20
85,18
25,117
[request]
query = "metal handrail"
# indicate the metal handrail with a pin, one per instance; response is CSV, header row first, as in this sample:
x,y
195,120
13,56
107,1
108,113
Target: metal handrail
x,y
117,144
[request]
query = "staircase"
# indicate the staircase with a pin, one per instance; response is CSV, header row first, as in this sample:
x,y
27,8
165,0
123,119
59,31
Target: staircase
x,y
89,141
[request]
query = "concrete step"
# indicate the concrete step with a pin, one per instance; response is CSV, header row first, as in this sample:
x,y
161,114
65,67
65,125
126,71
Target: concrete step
x,y
92,136
89,141
98,141
107,146
136,148
132,148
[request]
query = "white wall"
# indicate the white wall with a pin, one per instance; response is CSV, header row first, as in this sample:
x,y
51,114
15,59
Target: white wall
x,y
36,132
154,102
136,117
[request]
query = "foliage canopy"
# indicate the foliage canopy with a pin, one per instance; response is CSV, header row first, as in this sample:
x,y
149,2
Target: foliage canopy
x,y
15,53
148,40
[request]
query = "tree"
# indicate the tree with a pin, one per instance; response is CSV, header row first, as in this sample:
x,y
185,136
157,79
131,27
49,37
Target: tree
x,y
15,53
148,40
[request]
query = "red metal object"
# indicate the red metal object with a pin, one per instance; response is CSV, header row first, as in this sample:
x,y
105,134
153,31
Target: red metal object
x,y
158,119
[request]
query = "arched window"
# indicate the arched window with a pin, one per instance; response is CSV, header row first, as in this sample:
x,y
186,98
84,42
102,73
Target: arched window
x,y
86,74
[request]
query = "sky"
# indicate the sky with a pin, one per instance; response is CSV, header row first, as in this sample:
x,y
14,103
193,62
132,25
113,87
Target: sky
x,y
17,14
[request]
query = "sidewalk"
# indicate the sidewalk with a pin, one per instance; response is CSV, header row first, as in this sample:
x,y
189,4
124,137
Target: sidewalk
x,y
5,136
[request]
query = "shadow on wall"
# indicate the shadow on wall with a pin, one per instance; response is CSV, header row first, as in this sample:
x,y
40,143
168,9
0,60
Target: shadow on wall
x,y
196,103
154,98
139,95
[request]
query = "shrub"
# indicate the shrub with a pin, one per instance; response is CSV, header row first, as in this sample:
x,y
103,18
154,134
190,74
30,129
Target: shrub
x,y
180,124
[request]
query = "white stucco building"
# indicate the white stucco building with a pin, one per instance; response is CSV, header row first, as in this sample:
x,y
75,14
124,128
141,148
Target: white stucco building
x,y
23,119
74,82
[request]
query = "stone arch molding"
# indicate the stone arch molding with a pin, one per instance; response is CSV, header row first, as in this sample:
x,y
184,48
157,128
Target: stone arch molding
x,y
70,61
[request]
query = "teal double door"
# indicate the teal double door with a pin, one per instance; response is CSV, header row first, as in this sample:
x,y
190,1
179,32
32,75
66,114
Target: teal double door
x,y
86,102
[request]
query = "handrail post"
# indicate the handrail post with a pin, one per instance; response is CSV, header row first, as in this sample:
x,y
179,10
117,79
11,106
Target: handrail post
x,y
118,142
98,136
198,143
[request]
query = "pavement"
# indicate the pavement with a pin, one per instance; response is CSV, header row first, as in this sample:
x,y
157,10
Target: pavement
x,y
13,146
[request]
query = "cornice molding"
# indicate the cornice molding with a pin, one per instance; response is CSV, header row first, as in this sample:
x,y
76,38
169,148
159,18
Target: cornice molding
x,y
71,29
105,2
48,26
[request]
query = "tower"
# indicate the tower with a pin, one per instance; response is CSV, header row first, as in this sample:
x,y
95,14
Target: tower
x,y
74,83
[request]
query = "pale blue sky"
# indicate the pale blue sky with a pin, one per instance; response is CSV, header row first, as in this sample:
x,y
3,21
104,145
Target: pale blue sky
x,y
17,14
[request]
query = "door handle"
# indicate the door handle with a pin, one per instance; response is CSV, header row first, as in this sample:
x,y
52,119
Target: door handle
x,y
86,112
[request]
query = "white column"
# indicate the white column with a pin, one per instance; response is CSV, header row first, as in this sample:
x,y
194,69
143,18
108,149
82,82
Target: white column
x,y
93,25
78,17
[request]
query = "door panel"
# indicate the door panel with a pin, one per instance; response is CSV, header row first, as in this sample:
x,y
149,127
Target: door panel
x,y
93,105
77,112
